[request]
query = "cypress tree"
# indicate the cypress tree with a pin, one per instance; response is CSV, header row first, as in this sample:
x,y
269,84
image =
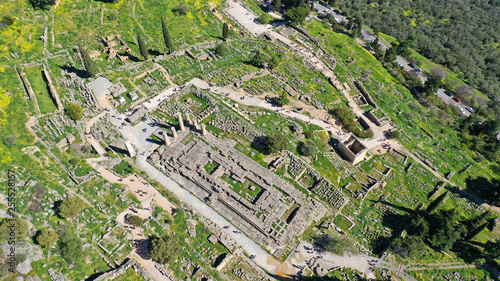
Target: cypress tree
x,y
142,47
225,31
436,202
166,36
90,66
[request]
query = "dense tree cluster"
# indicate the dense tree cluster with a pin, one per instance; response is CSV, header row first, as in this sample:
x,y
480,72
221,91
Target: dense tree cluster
x,y
441,229
458,34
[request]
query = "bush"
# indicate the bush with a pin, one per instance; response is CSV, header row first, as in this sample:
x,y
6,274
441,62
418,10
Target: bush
x,y
123,168
135,220
307,148
70,207
72,247
47,238
308,134
394,134
21,227
181,9
221,49
265,18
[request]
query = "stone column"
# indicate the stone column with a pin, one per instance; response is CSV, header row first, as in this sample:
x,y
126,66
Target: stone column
x,y
188,119
166,139
196,125
203,129
181,123
174,132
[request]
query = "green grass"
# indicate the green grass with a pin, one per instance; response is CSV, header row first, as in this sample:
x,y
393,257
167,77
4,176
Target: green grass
x,y
243,188
342,222
40,87
210,167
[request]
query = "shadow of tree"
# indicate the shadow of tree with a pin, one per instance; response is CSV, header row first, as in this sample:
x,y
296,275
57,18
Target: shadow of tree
x,y
154,53
71,69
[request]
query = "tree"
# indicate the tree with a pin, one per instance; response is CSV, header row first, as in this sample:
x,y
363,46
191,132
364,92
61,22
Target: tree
x,y
446,229
297,14
143,49
394,134
47,238
265,18
274,61
165,249
436,202
90,66
72,247
74,111
439,71
166,36
276,4
410,246
419,226
42,4
221,49
259,59
283,98
308,134
123,168
337,244
70,207
464,91
432,84
413,245
135,220
225,31
307,148
275,142
390,54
